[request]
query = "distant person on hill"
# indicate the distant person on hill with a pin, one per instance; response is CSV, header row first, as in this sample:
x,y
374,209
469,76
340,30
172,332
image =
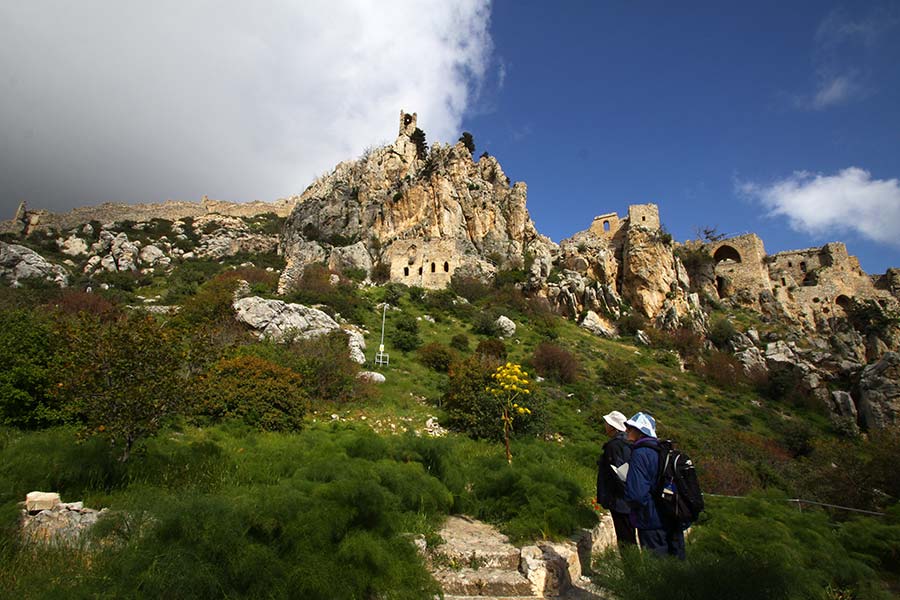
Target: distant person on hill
x,y
654,533
610,478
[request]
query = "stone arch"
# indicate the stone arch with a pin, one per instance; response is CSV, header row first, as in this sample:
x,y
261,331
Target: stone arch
x,y
726,252
842,301
606,225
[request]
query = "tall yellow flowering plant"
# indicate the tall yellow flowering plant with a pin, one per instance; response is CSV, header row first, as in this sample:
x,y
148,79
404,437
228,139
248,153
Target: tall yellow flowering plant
x,y
510,384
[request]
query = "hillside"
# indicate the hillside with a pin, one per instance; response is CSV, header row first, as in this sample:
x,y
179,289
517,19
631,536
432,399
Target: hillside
x,y
210,379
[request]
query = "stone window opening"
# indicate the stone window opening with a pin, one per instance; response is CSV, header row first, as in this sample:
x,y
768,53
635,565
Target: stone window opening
x,y
803,267
790,264
446,267
406,271
433,267
643,218
605,225
420,270
783,281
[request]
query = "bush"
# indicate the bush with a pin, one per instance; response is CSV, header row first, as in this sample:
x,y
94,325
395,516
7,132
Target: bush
x,y
123,380
417,294
485,323
460,342
315,287
555,362
405,333
491,348
326,371
722,369
469,407
631,323
381,273
26,350
470,288
436,356
754,548
260,393
619,373
721,332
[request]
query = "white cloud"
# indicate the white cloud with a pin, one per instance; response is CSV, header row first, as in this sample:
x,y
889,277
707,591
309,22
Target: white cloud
x,y
835,90
136,101
828,204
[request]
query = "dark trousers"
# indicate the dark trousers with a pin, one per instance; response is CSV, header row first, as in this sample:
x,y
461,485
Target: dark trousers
x,y
663,541
624,528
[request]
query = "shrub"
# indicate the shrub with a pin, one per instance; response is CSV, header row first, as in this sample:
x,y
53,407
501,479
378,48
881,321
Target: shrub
x,y
315,287
721,332
460,342
555,362
491,348
405,333
631,323
468,141
262,394
748,549
211,303
326,371
123,380
381,272
469,407
722,369
618,373
354,273
26,349
485,323
504,277
392,293
436,356
469,287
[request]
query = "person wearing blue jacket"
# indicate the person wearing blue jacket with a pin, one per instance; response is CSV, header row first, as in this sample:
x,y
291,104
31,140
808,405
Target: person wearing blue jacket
x,y
655,533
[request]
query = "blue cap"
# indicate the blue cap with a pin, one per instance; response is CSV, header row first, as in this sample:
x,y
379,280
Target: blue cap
x,y
643,423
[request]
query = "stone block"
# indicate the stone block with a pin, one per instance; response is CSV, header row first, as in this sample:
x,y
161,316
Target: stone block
x,y
36,501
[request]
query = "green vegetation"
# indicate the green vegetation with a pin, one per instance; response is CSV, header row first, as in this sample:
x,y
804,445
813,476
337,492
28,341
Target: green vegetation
x,y
234,467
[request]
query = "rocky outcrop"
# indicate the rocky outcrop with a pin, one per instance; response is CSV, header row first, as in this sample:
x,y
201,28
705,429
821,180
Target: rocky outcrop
x,y
879,393
598,325
426,214
505,326
46,520
18,263
281,321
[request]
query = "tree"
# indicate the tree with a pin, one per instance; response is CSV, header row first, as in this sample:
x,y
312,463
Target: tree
x,y
123,380
468,141
418,138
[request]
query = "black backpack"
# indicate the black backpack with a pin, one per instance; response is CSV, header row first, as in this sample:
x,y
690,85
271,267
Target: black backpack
x,y
677,492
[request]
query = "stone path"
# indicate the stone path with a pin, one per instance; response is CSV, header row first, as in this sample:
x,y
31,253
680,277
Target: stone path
x,y
477,562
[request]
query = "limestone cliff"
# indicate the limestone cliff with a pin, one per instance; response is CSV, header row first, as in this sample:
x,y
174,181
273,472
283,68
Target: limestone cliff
x,y
424,214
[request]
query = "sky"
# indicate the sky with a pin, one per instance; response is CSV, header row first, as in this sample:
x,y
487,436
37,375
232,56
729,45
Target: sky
x,y
779,118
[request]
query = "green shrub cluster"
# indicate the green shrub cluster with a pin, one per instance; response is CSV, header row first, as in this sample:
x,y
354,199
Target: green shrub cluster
x,y
436,356
405,332
315,287
260,393
618,373
761,547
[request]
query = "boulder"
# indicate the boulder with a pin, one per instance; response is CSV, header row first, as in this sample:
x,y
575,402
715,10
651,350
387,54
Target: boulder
x,y
124,252
598,325
879,393
506,326
355,256
371,376
752,360
281,321
151,256
18,263
72,246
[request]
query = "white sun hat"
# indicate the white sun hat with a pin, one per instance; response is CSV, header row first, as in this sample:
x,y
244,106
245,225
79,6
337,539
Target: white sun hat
x,y
616,420
643,423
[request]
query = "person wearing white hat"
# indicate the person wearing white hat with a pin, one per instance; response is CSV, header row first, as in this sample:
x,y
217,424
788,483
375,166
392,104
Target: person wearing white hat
x,y
610,478
655,534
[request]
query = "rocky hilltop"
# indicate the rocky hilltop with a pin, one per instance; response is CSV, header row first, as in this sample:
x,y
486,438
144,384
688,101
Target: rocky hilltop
x,y
425,214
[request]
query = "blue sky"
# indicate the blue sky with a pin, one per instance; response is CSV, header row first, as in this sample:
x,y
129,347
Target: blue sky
x,y
780,118
603,104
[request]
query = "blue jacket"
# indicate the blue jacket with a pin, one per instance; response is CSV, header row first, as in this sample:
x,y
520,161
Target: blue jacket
x,y
643,469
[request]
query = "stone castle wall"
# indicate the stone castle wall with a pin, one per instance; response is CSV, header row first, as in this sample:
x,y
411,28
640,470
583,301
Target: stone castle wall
x,y
171,210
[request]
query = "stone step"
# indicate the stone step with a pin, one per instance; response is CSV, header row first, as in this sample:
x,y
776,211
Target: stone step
x,y
471,543
487,582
